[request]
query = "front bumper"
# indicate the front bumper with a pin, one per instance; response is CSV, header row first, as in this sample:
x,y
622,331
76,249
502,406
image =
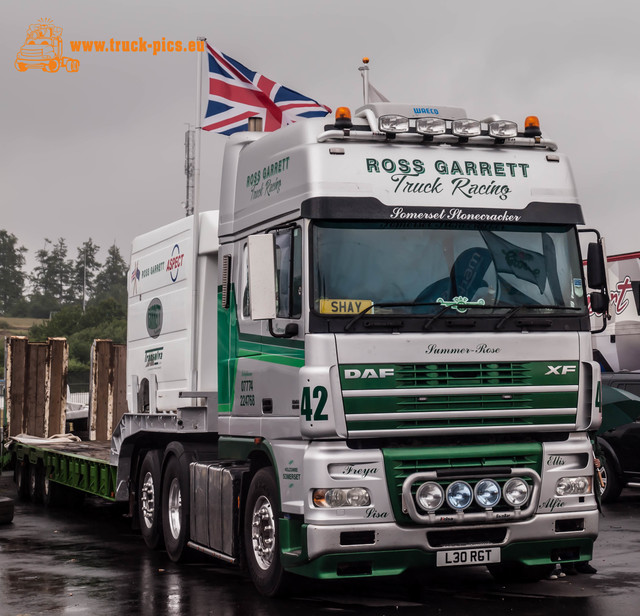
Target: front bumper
x,y
330,552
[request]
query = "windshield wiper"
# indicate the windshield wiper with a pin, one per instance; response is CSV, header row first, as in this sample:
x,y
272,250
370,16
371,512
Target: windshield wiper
x,y
515,309
355,319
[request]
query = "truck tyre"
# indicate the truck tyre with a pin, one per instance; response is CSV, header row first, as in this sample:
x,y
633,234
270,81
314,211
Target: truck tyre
x,y
36,483
175,509
610,492
261,535
21,477
149,500
51,492
6,510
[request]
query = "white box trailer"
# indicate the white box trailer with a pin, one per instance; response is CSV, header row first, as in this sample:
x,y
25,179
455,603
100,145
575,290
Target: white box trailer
x,y
166,348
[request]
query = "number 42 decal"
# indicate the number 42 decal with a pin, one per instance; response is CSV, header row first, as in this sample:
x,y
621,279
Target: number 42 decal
x,y
307,410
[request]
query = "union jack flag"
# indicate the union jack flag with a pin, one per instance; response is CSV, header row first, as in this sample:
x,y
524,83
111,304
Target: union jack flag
x,y
237,93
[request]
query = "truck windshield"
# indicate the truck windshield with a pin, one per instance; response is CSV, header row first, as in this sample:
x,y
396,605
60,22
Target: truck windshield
x,y
421,266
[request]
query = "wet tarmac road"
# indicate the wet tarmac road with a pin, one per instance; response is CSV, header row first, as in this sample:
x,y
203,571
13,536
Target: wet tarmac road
x,y
64,562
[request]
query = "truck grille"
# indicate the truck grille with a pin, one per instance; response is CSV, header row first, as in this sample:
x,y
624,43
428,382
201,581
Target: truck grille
x,y
414,399
462,375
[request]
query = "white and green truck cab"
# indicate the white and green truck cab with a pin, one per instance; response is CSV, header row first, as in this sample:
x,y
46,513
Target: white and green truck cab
x,y
381,360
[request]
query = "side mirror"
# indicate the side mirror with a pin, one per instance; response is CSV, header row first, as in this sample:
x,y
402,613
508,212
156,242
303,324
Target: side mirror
x,y
262,276
596,267
599,302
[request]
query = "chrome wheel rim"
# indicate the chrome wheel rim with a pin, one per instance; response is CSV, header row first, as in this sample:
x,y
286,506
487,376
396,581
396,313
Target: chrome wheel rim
x,y
263,533
147,500
175,508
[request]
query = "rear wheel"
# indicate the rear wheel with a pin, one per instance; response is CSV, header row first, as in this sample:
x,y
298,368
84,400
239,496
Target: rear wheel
x,y
175,509
149,500
261,535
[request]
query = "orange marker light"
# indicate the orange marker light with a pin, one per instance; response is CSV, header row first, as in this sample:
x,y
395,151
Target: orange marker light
x,y
343,113
532,122
532,127
343,118
365,60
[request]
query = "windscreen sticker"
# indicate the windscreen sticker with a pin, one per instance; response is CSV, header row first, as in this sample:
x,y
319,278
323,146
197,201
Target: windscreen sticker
x,y
344,306
577,287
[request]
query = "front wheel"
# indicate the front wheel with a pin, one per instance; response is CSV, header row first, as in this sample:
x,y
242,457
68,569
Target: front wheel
x,y
175,509
261,535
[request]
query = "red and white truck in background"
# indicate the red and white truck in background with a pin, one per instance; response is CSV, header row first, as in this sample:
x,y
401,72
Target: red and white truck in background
x,y
618,348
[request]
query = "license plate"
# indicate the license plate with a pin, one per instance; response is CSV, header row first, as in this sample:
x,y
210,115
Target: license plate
x,y
477,556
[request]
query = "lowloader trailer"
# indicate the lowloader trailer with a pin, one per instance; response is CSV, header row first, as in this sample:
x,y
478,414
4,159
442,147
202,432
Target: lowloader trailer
x,y
376,356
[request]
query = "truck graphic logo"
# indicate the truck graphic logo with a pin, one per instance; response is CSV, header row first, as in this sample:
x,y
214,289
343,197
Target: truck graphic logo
x,y
154,317
368,373
560,370
175,262
153,357
43,49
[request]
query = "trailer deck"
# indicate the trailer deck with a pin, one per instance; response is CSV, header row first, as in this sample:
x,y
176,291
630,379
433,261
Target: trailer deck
x,y
82,465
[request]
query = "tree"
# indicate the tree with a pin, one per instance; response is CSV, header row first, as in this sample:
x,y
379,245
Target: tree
x,y
111,281
84,272
12,277
52,277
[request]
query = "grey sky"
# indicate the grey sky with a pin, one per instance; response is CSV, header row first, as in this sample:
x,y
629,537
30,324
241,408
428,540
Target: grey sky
x,y
100,153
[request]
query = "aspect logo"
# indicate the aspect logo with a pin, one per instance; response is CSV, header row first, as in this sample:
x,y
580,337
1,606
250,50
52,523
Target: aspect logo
x,y
175,262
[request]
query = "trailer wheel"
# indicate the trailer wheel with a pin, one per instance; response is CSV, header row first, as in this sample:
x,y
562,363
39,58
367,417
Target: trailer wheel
x,y
21,477
36,483
149,501
175,509
51,492
261,535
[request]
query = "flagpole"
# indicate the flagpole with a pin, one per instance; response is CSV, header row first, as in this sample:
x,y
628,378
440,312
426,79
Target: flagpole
x,y
364,70
195,346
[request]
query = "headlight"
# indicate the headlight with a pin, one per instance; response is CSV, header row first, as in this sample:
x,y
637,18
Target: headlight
x,y
503,129
393,124
430,496
459,495
573,485
466,128
516,492
341,497
431,126
487,492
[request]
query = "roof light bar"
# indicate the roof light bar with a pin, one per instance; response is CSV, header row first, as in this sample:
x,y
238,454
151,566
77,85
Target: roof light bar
x,y
431,126
503,129
393,124
466,128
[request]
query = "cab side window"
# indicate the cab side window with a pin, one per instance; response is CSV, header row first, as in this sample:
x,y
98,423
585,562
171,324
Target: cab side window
x,y
289,272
